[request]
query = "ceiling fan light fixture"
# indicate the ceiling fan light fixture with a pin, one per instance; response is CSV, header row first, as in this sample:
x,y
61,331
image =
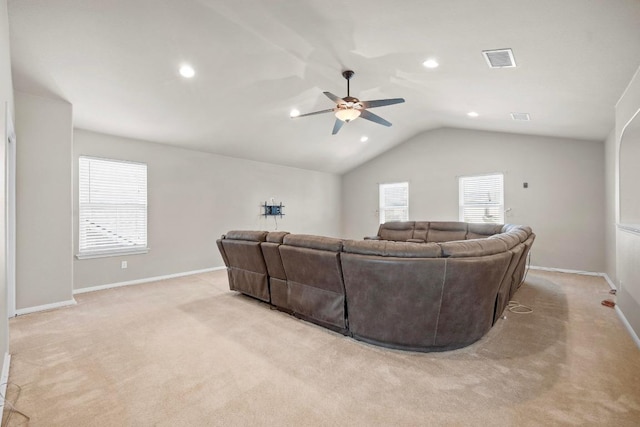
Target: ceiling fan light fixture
x,y
347,114
187,71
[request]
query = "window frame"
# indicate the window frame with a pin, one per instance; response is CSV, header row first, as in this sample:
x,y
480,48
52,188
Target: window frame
x,y
114,250
462,205
382,209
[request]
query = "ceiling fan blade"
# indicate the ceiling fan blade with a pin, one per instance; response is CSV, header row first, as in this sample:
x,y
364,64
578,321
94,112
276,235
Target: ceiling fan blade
x,y
334,98
382,102
337,126
368,115
315,112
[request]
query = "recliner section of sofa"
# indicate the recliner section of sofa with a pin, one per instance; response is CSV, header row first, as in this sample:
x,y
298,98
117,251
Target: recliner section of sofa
x,y
424,286
314,284
243,257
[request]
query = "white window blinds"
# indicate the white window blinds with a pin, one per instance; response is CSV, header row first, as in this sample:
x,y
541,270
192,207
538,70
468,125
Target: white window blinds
x,y
394,202
482,198
113,206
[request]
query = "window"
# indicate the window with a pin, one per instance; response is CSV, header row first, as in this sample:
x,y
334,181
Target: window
x,y
394,202
112,207
482,198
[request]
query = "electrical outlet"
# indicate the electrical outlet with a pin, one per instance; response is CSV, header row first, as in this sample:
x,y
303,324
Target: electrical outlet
x,y
123,264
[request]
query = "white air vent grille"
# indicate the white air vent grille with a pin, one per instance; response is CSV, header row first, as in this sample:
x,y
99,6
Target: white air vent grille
x,y
522,117
499,58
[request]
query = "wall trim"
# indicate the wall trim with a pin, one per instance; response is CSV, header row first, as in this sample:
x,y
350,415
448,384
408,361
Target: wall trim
x,y
4,380
565,270
605,276
145,280
627,325
45,307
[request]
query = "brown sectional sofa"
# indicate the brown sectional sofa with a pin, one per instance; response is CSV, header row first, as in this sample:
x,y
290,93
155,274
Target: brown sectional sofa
x,y
416,285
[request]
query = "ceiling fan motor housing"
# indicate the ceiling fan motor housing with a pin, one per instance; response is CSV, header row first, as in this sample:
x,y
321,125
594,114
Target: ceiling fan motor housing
x,y
347,74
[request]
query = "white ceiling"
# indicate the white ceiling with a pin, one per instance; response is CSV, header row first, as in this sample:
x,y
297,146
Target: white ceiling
x,y
116,61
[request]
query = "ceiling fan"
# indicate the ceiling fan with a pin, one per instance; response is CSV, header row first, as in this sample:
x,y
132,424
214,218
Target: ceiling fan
x,y
350,108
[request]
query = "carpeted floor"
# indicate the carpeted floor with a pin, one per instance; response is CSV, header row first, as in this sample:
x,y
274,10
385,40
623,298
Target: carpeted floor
x,y
188,352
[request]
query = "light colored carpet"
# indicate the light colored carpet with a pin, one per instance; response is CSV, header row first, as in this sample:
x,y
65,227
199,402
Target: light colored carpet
x,y
188,352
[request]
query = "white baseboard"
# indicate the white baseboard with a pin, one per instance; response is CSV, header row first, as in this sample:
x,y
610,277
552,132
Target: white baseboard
x,y
45,307
145,280
4,380
565,270
623,318
627,325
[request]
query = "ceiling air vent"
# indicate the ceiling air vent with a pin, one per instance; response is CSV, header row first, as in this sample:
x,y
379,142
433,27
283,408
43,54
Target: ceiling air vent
x,y
499,58
521,117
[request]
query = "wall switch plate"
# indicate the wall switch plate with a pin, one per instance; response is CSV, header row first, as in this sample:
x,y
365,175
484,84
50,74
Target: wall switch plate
x,y
123,264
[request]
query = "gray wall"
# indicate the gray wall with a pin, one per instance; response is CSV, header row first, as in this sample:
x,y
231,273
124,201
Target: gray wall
x,y
564,203
44,272
6,99
195,197
627,243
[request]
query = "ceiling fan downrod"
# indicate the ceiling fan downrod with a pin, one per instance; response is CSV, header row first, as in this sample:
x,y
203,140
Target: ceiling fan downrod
x,y
347,74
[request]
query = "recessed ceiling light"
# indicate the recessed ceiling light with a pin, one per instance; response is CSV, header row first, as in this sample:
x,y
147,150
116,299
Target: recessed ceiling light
x,y
364,138
187,71
472,114
430,63
294,113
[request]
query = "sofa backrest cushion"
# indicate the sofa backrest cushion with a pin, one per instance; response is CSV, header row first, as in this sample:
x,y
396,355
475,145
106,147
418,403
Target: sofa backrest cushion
x,y
481,231
250,235
472,248
392,249
271,253
522,231
446,231
313,242
245,255
400,231
511,240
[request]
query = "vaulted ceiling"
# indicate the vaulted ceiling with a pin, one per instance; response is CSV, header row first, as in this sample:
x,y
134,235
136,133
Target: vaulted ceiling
x,y
117,62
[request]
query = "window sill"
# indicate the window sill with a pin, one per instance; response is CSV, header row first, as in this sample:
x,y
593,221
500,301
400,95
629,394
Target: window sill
x,y
118,252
